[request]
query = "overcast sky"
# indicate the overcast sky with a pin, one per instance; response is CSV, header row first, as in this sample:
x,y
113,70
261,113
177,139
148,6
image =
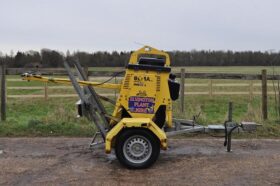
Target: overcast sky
x,y
91,25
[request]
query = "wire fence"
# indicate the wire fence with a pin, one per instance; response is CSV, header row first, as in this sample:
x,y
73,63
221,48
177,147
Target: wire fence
x,y
209,87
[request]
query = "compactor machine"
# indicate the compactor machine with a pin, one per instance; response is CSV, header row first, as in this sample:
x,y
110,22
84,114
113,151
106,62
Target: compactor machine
x,y
142,117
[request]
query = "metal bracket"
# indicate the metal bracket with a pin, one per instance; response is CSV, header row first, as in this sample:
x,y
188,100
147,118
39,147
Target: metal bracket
x,y
92,106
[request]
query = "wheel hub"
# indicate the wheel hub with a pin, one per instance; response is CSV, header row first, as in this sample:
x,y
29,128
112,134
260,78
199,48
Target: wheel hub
x,y
137,149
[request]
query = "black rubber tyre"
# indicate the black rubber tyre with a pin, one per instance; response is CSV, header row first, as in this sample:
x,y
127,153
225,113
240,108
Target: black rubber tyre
x,y
137,148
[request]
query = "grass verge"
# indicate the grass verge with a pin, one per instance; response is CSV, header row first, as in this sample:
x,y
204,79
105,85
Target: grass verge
x,y
57,116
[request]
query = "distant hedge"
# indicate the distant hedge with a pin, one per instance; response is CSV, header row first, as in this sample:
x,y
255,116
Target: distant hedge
x,y
52,58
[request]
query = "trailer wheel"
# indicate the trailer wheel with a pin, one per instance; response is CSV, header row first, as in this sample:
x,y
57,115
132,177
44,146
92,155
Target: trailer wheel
x,y
137,148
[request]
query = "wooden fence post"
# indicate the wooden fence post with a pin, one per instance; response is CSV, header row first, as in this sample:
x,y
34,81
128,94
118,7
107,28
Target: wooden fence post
x,y
115,89
3,91
211,87
264,94
230,108
86,72
46,91
251,90
182,90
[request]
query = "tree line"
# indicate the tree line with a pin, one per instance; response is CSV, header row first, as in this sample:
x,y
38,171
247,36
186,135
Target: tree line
x,y
53,58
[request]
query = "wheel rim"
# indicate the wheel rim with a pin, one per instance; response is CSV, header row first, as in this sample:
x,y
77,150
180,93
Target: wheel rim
x,y
137,149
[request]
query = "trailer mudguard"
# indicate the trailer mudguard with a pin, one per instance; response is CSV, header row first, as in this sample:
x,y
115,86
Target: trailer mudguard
x,y
137,123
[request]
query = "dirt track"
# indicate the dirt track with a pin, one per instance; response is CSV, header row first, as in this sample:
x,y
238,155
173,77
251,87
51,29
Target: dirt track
x,y
69,161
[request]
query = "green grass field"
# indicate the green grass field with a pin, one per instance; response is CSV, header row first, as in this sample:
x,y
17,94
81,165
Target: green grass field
x,y
57,116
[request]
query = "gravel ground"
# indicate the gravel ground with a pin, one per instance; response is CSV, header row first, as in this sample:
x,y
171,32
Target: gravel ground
x,y
69,161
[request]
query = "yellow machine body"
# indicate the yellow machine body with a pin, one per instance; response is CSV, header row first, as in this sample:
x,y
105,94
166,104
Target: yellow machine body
x,y
142,92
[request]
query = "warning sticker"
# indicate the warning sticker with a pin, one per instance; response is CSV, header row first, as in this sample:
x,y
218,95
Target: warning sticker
x,y
141,104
